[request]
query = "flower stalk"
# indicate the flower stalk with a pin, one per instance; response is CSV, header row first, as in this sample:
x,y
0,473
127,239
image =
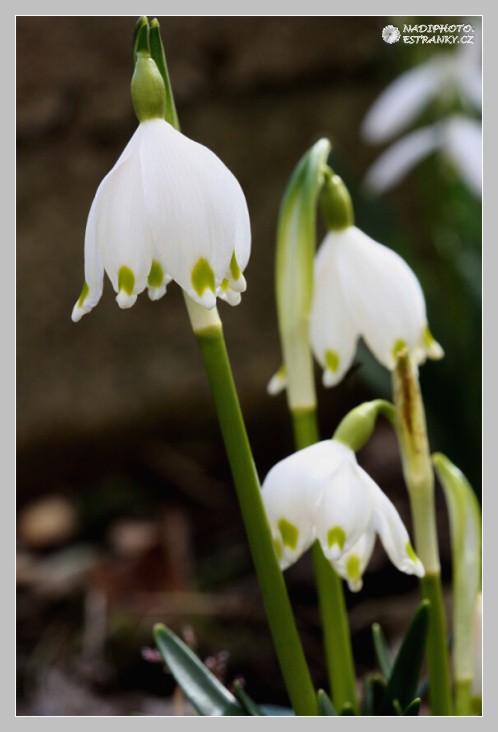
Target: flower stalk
x,y
208,330
419,478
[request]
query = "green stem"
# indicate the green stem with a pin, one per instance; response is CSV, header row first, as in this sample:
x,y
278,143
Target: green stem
x,y
336,635
411,431
282,624
439,670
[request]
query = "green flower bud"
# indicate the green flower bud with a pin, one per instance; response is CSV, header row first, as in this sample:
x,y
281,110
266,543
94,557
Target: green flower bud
x,y
148,93
335,203
357,426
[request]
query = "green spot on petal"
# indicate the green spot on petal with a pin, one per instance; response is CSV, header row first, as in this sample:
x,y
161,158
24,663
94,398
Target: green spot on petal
x,y
234,268
428,338
84,294
156,275
353,567
336,536
224,285
126,280
399,345
411,552
289,533
332,361
278,548
203,277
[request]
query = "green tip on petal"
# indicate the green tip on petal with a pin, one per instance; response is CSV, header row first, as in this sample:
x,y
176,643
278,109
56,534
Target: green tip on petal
x,y
126,280
289,533
156,275
203,277
84,294
410,551
234,268
332,360
336,536
353,567
434,350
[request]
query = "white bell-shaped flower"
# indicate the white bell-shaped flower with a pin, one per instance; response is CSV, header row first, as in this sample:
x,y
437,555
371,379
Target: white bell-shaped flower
x,y
363,289
168,210
322,493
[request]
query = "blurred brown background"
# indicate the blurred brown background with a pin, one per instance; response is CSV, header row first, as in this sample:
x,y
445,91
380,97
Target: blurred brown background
x,y
126,509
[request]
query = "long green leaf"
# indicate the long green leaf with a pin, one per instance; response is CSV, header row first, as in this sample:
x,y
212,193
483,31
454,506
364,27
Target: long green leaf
x,y
375,693
381,650
249,705
325,706
405,674
413,708
207,694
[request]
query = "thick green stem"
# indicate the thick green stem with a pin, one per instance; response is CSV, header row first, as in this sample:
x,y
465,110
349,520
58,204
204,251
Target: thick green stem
x,y
282,624
419,478
336,635
437,654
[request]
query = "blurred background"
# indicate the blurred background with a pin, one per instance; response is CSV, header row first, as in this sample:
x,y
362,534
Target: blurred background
x,y
126,510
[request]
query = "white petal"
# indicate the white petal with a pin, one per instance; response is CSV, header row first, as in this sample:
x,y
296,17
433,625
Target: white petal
x,y
195,207
345,510
94,271
333,336
292,493
393,535
351,566
402,101
401,157
278,382
463,145
122,229
384,295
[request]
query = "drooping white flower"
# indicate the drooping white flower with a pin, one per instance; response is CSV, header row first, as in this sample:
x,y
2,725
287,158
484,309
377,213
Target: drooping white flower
x,y
322,493
458,138
445,74
363,289
446,77
168,210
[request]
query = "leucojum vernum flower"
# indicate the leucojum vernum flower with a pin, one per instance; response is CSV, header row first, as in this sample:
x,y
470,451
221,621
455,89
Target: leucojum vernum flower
x,y
170,210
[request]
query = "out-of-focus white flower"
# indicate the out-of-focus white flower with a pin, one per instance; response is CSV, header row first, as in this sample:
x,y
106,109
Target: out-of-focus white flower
x,y
445,77
363,289
168,210
458,138
322,493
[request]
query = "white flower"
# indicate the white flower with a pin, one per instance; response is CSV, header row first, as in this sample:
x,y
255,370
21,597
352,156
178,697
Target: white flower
x,y
168,210
322,493
363,289
444,75
458,137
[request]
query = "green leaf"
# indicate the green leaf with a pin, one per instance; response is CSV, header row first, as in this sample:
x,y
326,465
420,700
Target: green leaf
x,y
325,706
466,536
413,708
403,680
398,710
157,53
207,694
140,37
381,650
375,692
249,705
